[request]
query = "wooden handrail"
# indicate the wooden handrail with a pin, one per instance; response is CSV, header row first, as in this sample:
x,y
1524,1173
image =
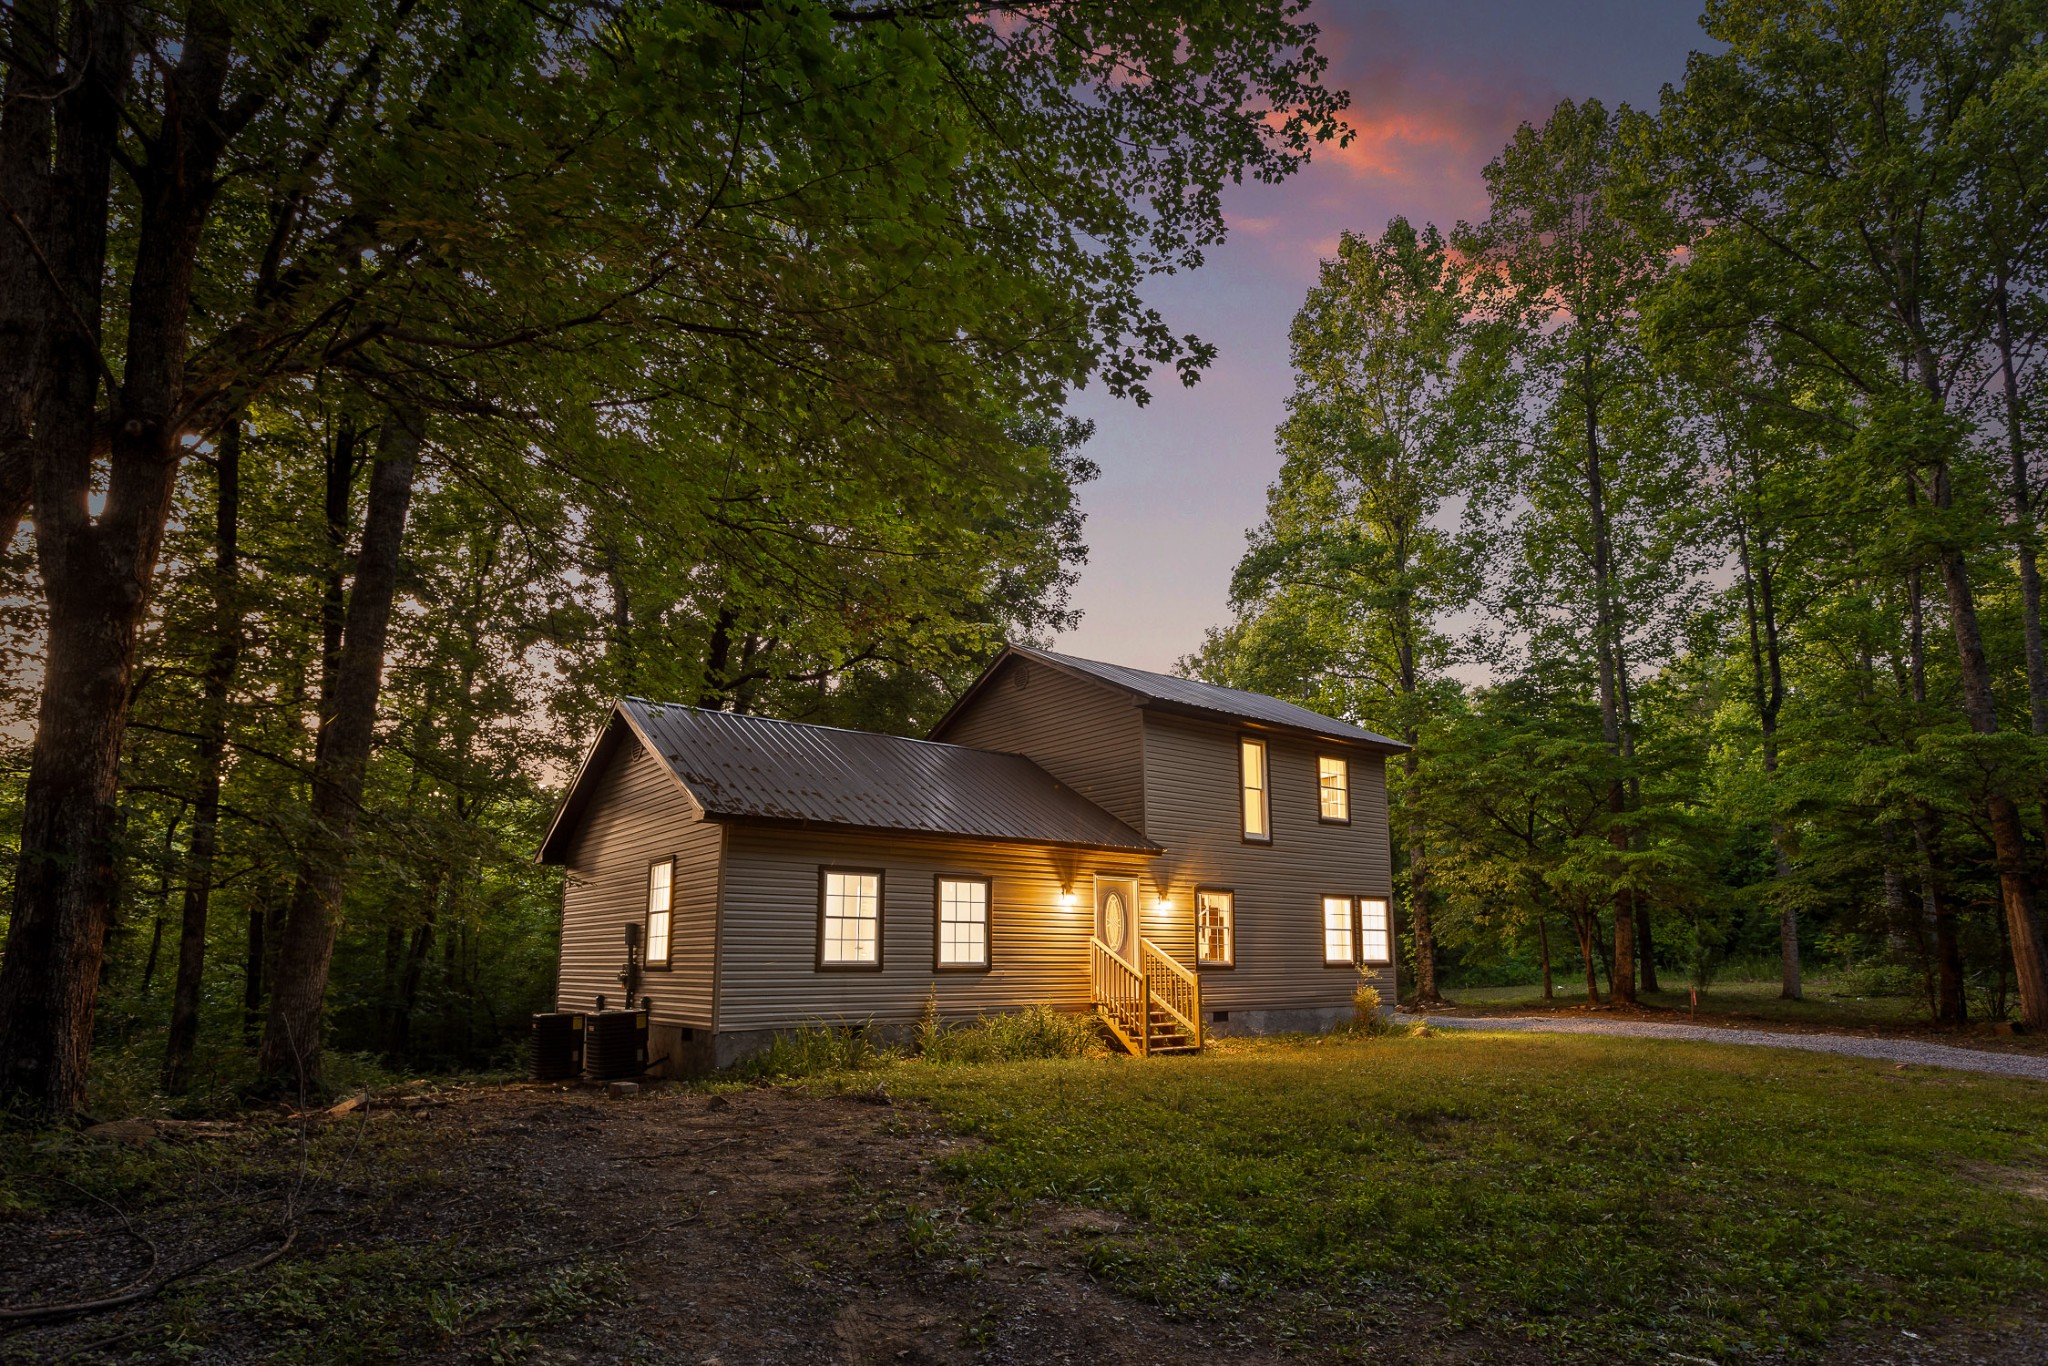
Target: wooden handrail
x,y
1122,997
1179,991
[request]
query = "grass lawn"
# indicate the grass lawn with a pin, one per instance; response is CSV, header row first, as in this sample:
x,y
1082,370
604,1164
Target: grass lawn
x,y
1588,1195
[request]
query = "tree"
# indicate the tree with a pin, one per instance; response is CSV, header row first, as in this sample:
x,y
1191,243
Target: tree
x,y
1394,392
916,220
1816,147
1567,268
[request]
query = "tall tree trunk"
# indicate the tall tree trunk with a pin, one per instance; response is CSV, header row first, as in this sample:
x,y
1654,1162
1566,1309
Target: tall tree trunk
x,y
1950,1004
2008,838
29,308
212,746
2022,494
1607,637
1646,948
252,975
1543,949
1419,918
1767,685
96,572
1589,951
291,1052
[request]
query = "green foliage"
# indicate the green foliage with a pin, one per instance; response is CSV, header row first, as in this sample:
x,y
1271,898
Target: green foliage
x,y
1037,1031
814,1051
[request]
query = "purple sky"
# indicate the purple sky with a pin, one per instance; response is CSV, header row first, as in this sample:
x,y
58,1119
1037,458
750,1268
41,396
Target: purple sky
x,y
1436,90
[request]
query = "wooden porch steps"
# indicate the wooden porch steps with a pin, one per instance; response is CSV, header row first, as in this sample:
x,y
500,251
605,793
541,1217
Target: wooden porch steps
x,y
1153,1008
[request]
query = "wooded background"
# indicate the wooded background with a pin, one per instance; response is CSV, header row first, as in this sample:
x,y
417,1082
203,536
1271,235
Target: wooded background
x,y
387,385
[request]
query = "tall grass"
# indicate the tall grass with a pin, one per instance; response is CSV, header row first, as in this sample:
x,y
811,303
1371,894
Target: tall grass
x,y
1019,1036
813,1051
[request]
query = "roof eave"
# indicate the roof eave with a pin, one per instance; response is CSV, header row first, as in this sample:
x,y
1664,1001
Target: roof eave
x,y
1381,744
1144,850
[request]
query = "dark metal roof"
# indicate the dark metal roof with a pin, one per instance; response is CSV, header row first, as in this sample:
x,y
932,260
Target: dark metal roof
x,y
759,768
1186,694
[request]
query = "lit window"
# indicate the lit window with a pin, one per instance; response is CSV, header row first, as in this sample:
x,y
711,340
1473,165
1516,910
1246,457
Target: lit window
x,y
1375,944
1215,929
850,920
1337,943
661,882
963,922
1334,779
1252,769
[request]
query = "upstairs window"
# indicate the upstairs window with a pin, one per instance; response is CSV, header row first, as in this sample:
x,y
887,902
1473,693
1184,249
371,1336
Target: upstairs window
x,y
1215,929
661,889
1334,789
1374,939
849,918
962,932
1338,945
1251,768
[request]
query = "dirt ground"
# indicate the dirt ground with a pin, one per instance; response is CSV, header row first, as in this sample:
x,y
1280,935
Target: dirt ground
x,y
754,1226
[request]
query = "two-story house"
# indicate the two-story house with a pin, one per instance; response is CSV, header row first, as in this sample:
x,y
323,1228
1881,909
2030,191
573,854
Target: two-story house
x,y
1182,858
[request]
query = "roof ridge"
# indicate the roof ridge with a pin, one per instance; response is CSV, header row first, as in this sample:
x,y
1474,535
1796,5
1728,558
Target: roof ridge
x,y
815,725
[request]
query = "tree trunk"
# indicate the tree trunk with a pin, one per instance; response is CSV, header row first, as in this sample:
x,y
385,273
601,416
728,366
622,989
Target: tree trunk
x,y
220,673
1950,1004
1426,992
1582,923
96,572
28,308
291,1052
2021,489
1646,950
1606,633
1543,950
2008,839
252,976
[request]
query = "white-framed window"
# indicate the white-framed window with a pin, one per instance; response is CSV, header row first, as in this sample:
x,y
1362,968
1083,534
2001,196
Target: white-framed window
x,y
1375,935
961,935
661,892
1251,771
849,918
1339,946
1333,789
1215,928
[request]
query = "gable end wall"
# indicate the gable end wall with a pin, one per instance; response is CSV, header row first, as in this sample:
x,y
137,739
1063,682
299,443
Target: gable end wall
x,y
1087,735
638,814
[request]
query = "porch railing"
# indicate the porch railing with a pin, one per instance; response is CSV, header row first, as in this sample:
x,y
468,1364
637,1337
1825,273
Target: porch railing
x,y
1173,989
1120,997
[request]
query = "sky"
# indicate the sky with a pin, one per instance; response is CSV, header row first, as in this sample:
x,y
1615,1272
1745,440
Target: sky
x,y
1436,90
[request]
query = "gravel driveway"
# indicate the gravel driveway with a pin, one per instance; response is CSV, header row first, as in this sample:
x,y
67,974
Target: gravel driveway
x,y
1884,1050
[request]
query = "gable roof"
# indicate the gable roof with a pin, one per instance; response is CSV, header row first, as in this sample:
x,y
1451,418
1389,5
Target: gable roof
x,y
1166,692
757,768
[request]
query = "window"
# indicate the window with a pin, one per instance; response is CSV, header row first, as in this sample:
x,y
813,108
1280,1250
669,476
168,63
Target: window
x,y
849,918
962,934
1375,945
661,888
1251,764
1334,783
1215,929
1337,943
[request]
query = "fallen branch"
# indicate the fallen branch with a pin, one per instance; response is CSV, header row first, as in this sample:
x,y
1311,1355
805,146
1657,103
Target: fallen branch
x,y
51,1313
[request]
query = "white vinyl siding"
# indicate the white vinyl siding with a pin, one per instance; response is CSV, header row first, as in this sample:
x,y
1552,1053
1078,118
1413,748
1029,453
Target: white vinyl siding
x,y
850,930
963,923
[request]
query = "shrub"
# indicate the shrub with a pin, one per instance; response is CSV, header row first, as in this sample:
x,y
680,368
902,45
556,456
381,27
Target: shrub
x,y
1038,1032
1365,1005
811,1051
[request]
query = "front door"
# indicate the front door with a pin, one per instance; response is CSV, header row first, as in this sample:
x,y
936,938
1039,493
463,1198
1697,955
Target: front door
x,y
1116,915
